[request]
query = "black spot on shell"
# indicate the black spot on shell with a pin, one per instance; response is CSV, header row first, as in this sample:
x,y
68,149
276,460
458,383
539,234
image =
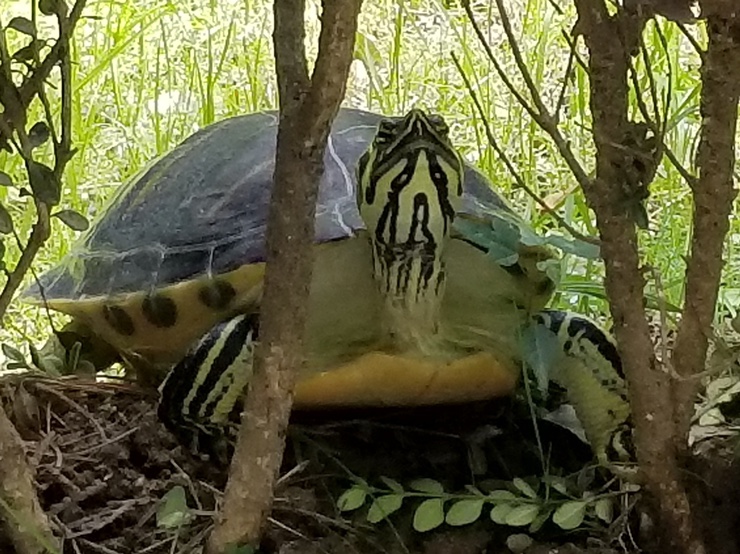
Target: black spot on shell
x,y
160,310
217,295
119,320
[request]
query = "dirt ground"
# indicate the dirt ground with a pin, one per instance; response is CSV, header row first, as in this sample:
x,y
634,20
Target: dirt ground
x,y
103,464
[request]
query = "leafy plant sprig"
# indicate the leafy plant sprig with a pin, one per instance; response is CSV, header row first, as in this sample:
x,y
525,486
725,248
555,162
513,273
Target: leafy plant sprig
x,y
531,502
23,79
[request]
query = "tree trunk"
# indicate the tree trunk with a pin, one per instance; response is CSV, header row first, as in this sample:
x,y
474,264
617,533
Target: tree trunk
x,y
611,39
24,522
308,107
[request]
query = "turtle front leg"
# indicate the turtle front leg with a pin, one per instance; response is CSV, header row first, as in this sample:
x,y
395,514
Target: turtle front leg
x,y
201,397
591,374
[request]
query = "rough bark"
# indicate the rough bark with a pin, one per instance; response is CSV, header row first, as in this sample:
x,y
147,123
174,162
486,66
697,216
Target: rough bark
x,y
713,195
308,106
24,522
611,40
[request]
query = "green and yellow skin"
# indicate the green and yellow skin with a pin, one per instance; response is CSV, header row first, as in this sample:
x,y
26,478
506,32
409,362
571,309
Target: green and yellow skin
x,y
409,312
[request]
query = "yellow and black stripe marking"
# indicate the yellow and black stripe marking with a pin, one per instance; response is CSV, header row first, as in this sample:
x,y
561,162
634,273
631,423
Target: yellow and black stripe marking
x,y
591,374
412,171
203,391
408,180
582,338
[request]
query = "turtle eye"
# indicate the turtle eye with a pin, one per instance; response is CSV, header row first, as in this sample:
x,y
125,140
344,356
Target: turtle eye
x,y
385,132
438,123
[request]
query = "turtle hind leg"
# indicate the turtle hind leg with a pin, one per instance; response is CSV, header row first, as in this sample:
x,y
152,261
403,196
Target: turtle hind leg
x,y
590,372
203,392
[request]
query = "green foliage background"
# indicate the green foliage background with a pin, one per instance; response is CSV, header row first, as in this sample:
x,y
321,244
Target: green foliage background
x,y
149,73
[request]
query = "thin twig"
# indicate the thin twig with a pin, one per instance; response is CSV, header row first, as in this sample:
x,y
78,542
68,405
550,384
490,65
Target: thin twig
x,y
658,131
573,43
81,409
108,442
544,120
496,65
566,80
510,166
690,38
39,235
29,88
520,63
653,88
668,97
16,104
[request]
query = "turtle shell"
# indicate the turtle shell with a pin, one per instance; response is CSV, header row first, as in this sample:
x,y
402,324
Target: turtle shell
x,y
181,247
202,209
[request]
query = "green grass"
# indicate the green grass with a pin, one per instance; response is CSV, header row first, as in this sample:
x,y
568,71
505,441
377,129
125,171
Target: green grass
x,y
149,73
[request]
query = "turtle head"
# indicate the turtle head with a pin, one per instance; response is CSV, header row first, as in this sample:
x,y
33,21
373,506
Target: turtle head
x,y
409,181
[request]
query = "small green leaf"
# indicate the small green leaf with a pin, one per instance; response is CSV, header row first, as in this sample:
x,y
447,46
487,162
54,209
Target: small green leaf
x,y
429,486
552,268
383,506
529,237
429,515
351,499
570,515
392,484
540,520
559,484
5,180
38,134
6,222
35,357
501,496
604,509
73,357
522,515
72,219
26,53
524,487
174,511
51,7
500,512
51,365
12,353
22,25
464,512
577,247
542,352
44,183
500,238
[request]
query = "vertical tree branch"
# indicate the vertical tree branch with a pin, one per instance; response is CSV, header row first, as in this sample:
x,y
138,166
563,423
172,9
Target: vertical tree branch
x,y
611,39
713,194
23,520
307,109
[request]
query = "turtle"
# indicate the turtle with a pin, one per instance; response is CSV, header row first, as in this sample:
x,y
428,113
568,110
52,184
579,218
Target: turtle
x,y
422,283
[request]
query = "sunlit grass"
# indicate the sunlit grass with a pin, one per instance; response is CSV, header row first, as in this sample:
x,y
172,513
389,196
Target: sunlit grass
x,y
149,73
